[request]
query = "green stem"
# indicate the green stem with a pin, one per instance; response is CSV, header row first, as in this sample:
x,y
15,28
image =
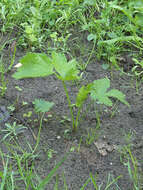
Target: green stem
x,y
13,59
70,105
90,55
39,132
77,118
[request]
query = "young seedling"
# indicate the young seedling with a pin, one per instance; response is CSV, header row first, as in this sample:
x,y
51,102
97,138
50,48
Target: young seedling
x,y
40,65
13,130
41,106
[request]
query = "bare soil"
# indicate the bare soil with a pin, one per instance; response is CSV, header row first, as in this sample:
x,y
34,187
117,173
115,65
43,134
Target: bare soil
x,y
56,135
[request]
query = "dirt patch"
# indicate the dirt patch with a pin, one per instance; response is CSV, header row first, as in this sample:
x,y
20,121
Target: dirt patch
x,y
119,126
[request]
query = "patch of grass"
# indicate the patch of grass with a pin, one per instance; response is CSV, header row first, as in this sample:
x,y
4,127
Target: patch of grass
x,y
129,160
111,25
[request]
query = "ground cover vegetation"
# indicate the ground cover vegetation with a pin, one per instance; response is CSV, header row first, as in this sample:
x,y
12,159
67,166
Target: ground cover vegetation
x,y
71,76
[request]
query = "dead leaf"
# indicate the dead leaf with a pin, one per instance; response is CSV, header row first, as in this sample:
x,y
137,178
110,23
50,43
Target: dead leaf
x,y
103,147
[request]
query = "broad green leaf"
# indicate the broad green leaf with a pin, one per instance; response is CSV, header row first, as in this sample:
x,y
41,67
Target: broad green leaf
x,y
66,70
82,95
42,105
117,94
34,65
99,92
99,88
91,37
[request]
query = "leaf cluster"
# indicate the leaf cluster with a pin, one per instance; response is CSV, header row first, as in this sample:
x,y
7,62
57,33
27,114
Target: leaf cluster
x,y
40,65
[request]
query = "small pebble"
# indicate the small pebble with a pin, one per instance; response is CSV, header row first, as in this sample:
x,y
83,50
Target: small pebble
x,y
58,137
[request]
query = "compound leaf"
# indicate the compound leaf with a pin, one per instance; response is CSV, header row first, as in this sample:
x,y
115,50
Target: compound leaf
x,y
42,105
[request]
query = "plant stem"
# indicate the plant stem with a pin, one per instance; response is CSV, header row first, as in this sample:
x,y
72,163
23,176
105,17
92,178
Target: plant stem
x,y
13,59
38,137
70,105
90,55
77,118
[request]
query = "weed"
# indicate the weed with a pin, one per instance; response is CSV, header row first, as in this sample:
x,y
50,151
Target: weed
x,y
128,159
3,81
13,130
110,182
92,135
39,65
138,72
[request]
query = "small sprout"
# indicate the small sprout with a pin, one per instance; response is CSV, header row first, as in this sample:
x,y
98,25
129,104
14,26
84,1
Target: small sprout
x,y
11,108
65,119
72,149
48,115
50,153
28,114
13,130
18,88
24,103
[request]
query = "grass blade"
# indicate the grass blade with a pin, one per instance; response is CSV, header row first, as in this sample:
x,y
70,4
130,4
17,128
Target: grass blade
x,y
50,175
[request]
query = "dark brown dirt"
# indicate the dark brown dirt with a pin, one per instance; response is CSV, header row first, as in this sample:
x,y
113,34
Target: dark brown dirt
x,y
87,159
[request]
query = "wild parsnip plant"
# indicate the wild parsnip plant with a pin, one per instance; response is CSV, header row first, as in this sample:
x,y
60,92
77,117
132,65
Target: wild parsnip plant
x,y
40,65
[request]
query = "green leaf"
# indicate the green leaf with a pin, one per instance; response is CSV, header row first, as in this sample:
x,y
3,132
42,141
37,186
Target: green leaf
x,y
89,2
42,105
99,88
99,92
120,39
117,94
91,37
82,95
34,65
66,70
105,66
139,19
